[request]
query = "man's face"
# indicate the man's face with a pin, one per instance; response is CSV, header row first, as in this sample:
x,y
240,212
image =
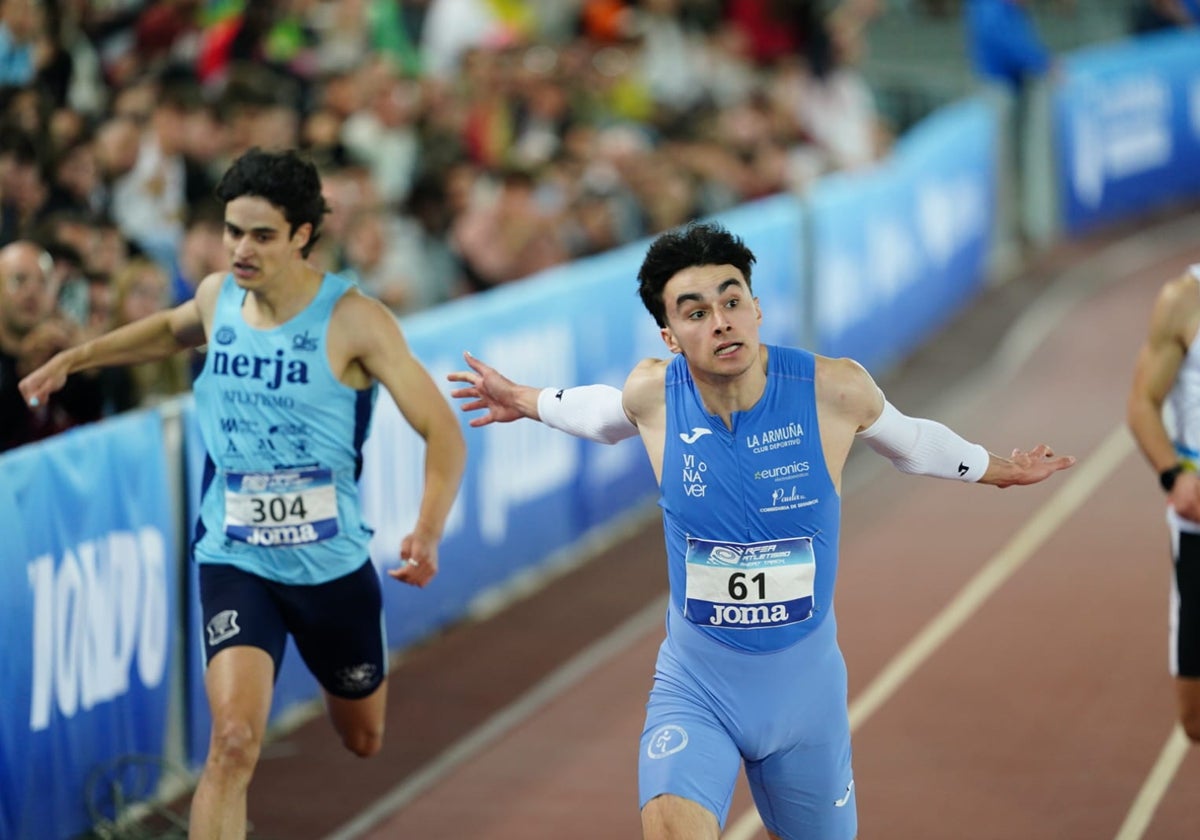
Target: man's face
x,y
256,239
28,293
712,319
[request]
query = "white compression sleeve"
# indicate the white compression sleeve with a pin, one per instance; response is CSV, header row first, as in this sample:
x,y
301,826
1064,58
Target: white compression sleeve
x,y
924,447
587,411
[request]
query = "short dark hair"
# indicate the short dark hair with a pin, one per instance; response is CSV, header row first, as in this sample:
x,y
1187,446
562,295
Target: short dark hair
x,y
284,179
698,243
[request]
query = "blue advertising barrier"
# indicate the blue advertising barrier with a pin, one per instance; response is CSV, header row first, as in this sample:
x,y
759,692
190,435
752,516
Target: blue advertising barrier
x,y
1127,120
902,247
88,560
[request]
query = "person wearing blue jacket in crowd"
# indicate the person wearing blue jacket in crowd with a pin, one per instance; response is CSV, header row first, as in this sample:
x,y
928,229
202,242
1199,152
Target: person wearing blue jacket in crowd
x,y
294,360
1003,43
748,442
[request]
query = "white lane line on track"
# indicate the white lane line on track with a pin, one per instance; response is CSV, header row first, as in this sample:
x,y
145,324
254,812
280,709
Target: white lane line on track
x,y
496,727
1156,784
1081,481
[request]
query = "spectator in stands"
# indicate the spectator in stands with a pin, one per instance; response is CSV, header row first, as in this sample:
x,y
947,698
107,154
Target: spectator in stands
x,y
31,331
1004,44
201,252
1154,15
140,289
506,234
372,262
24,48
383,135
150,201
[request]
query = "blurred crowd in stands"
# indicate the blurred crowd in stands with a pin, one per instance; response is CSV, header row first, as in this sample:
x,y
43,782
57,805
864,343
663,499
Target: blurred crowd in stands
x,y
463,144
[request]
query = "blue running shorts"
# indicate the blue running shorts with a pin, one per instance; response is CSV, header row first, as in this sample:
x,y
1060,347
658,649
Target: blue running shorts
x,y
337,625
783,714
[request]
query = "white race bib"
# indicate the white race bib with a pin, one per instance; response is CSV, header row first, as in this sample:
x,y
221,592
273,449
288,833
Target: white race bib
x,y
281,508
749,585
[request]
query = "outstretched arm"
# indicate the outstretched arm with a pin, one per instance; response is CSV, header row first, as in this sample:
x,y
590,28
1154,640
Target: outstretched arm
x,y
153,337
594,412
925,447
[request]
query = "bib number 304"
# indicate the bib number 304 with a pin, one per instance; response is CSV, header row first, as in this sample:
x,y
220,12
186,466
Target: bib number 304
x,y
281,508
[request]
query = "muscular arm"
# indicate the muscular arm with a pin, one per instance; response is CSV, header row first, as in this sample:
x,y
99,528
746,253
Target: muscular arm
x,y
148,339
373,340
851,404
1158,363
1172,324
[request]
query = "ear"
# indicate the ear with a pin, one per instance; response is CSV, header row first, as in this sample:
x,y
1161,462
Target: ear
x,y
758,310
668,338
302,235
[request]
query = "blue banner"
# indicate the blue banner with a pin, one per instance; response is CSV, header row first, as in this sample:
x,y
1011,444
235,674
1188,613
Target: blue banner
x,y
1127,120
900,248
87,591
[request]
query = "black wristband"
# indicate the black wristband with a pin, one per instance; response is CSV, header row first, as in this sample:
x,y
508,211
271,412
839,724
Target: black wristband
x,y
1167,477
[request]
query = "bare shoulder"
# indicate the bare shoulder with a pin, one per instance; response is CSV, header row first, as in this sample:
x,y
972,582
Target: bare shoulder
x,y
845,387
207,291
643,392
191,321
1179,297
362,321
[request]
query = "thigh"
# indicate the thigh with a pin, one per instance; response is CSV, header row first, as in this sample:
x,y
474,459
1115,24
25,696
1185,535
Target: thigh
x,y
338,628
240,610
807,790
686,752
1185,619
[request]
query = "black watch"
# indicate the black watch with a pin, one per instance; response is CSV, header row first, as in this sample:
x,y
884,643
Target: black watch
x,y
1167,477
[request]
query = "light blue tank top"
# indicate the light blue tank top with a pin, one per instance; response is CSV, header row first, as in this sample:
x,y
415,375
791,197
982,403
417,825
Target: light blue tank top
x,y
279,495
751,515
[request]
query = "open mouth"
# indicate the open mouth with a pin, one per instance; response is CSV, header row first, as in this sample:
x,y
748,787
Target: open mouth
x,y
728,349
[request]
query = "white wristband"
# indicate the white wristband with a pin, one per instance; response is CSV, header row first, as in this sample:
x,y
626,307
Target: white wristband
x,y
594,412
924,447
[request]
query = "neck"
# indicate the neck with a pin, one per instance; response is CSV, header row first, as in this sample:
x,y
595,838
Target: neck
x,y
277,302
723,395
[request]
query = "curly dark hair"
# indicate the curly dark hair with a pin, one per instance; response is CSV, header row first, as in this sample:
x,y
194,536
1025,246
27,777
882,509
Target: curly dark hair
x,y
698,243
286,180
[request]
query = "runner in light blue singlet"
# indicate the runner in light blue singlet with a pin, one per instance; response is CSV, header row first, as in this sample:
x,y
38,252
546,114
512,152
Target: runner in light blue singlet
x,y
750,672
284,440
294,360
751,519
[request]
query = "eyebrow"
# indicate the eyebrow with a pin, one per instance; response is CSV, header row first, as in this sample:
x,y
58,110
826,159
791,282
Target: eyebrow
x,y
696,296
260,229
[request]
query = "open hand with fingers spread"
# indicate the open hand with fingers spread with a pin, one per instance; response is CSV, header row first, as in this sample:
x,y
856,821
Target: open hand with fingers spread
x,y
504,400
1025,467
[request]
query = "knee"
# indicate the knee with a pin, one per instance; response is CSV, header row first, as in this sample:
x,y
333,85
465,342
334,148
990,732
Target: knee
x,y
364,742
234,747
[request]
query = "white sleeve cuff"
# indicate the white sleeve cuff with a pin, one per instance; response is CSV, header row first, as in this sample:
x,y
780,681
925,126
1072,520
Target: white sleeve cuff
x,y
594,412
924,447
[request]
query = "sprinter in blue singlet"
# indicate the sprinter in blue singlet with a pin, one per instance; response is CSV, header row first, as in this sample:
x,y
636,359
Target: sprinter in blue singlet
x,y
294,357
748,442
